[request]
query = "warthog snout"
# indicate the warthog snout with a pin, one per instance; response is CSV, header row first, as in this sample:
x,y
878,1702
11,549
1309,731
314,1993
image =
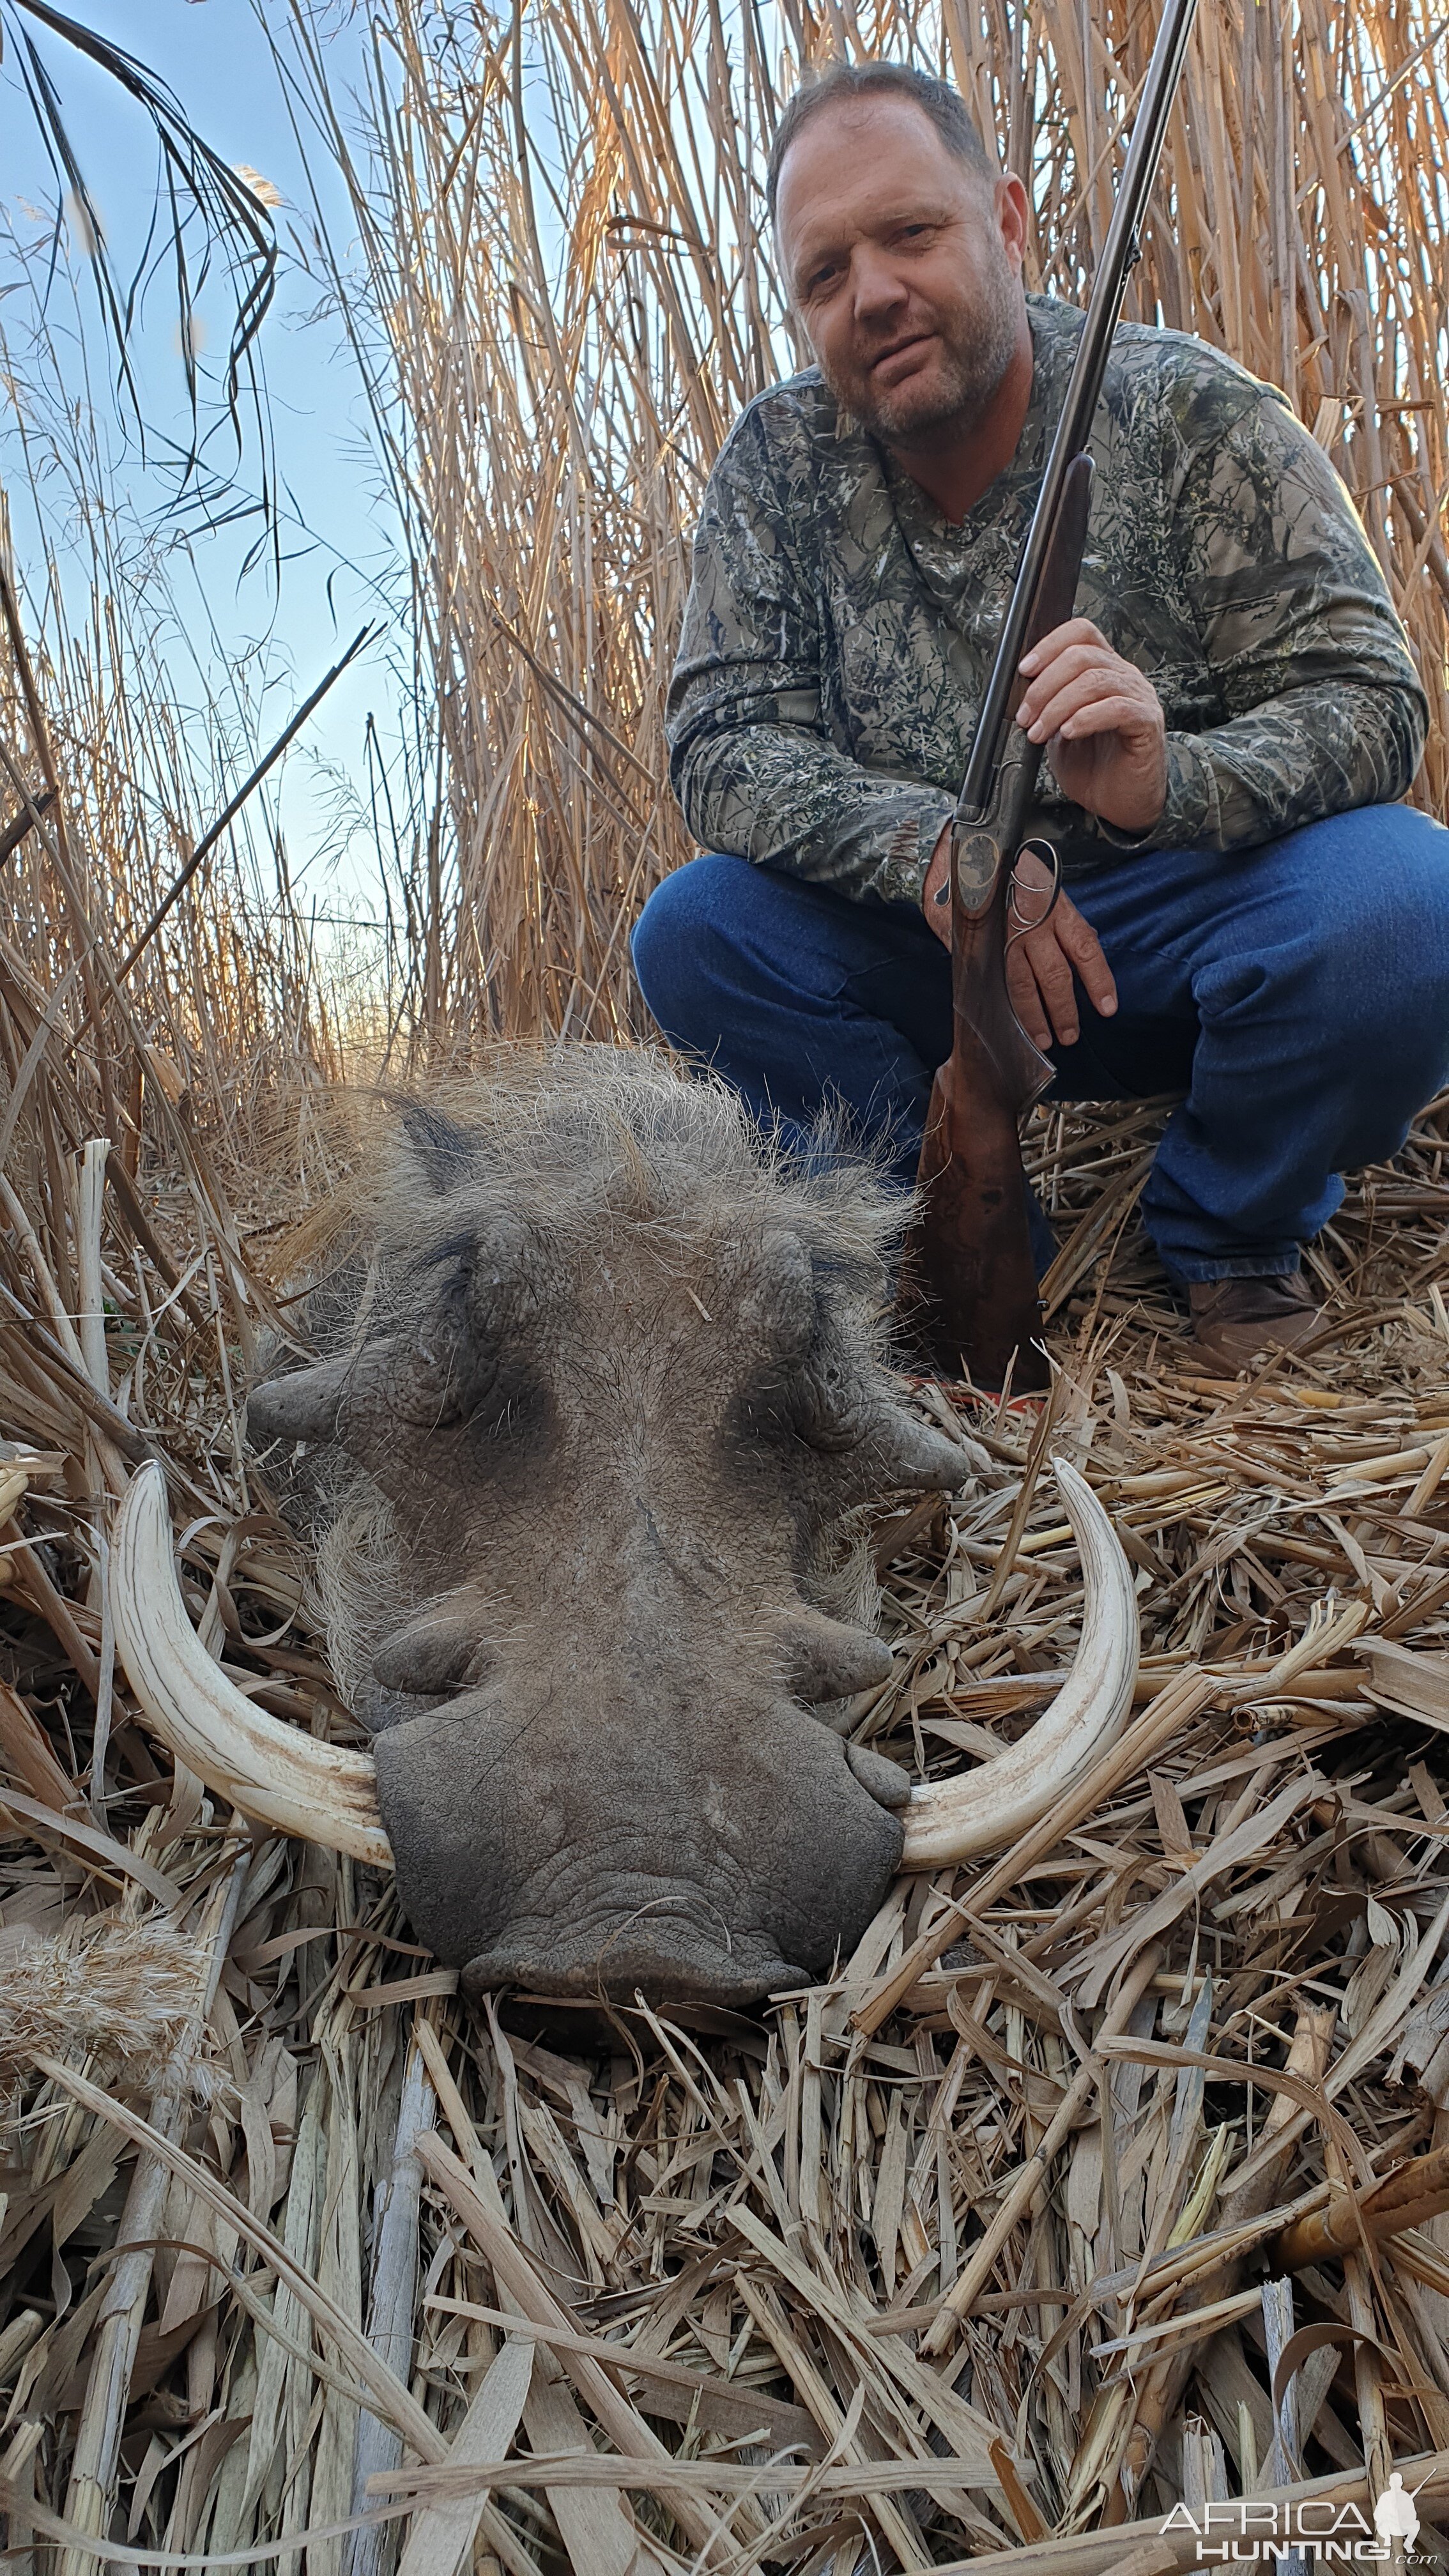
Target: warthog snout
x,y
706,1853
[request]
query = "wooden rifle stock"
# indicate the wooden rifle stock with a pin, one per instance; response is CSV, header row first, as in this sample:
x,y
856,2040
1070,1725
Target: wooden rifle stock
x,y
969,1298
970,1281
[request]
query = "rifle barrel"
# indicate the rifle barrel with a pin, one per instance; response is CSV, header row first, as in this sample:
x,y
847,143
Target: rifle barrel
x,y
1119,257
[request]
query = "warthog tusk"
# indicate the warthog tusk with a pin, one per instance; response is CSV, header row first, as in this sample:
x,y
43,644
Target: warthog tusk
x,y
325,1794
274,1772
957,1819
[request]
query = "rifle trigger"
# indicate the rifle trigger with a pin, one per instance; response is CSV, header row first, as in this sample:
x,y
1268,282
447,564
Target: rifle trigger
x,y
1050,857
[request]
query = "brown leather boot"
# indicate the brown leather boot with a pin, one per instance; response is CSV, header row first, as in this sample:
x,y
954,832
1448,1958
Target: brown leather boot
x,y
1236,1321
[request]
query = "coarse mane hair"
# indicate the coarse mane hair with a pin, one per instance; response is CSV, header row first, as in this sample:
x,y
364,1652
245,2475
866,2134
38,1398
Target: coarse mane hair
x,y
578,1138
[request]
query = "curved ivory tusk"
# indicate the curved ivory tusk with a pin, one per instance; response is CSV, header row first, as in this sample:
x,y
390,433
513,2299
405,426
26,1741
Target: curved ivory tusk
x,y
285,1779
957,1819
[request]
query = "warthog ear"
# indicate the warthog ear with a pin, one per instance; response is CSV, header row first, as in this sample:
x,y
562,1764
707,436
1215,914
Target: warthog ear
x,y
419,1382
444,1154
426,1377
898,1450
833,1397
887,1451
830,1404
779,1302
500,1292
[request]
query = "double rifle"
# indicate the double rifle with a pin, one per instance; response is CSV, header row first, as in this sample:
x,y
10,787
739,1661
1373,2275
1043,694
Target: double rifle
x,y
970,1289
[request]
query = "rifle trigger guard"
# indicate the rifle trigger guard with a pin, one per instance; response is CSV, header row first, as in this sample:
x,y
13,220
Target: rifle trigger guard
x,y
1050,857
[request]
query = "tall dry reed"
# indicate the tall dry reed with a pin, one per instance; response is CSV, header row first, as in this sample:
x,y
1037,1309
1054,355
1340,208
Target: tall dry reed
x,y
108,780
566,294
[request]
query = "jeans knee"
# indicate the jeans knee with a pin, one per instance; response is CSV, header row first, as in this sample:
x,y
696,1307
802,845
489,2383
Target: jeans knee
x,y
663,936
1380,940
1419,850
672,938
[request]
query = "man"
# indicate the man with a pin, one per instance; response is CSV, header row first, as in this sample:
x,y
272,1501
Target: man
x,y
1253,920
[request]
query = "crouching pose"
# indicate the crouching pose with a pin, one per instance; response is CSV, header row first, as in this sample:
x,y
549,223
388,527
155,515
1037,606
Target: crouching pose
x,y
1254,920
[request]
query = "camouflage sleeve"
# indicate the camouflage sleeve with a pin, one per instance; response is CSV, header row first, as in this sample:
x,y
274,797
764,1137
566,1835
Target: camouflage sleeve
x,y
751,754
1325,707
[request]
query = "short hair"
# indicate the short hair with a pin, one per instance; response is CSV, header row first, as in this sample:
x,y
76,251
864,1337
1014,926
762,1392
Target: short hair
x,y
839,82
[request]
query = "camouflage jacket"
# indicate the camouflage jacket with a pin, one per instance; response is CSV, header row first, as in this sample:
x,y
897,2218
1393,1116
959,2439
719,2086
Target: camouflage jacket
x,y
839,630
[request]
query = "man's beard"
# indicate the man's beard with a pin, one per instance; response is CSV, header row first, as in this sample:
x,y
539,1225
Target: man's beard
x,y
977,348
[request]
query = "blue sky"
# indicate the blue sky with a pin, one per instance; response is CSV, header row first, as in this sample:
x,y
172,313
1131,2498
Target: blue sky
x,y
338,533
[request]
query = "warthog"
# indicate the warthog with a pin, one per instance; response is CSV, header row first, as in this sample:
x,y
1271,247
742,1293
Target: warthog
x,y
603,1421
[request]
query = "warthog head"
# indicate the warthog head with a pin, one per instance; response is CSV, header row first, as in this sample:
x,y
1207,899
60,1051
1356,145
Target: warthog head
x,y
605,1414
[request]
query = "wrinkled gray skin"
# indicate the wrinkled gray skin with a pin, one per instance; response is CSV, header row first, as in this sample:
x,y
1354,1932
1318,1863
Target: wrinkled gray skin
x,y
607,1412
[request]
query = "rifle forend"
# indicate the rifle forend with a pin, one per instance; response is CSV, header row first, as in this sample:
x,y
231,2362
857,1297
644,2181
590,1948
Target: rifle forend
x,y
969,1287
968,1290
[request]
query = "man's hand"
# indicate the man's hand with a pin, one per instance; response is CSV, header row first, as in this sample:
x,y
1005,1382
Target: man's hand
x,y
1102,722
1039,964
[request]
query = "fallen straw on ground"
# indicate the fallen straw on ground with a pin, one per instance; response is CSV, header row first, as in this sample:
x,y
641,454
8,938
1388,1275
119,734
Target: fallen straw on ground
x,y
963,2249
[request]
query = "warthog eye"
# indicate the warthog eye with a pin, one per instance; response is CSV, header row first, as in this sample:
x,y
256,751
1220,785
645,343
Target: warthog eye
x,y
439,1381
820,1402
831,1408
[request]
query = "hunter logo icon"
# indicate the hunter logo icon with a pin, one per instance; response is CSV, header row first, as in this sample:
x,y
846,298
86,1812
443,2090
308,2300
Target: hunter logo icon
x,y
1396,2516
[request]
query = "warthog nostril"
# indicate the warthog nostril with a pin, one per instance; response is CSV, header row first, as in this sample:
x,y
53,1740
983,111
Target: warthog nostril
x,y
665,1981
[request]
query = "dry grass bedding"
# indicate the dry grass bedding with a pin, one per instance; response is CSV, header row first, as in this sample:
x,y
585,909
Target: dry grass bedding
x,y
987,2248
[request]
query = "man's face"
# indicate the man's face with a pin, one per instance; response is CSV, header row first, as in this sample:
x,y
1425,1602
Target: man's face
x,y
904,266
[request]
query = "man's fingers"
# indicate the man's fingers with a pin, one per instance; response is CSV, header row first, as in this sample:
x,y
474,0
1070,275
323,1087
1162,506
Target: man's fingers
x,y
1039,962
1112,714
1088,692
1053,976
1084,948
1075,630
1054,982
1026,1001
1059,673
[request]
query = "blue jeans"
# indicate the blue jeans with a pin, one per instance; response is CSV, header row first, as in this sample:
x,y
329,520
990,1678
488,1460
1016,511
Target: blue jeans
x,y
1297,993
